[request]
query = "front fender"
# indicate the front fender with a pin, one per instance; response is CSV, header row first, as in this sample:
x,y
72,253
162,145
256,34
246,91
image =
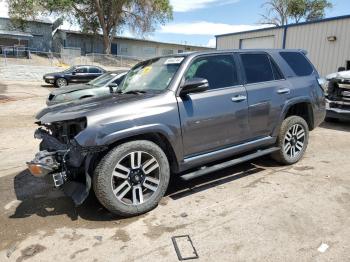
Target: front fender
x,y
102,136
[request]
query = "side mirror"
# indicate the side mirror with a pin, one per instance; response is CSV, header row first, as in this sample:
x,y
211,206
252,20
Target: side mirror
x,y
112,87
74,73
194,85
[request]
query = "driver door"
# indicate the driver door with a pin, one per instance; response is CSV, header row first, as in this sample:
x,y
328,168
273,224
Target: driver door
x,y
218,117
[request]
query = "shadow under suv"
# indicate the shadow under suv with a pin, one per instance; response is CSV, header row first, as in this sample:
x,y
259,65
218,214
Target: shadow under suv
x,y
187,115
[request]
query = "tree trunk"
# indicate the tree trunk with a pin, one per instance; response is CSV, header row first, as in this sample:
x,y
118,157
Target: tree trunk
x,y
106,44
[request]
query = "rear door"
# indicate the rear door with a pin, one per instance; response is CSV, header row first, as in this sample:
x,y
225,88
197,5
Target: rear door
x,y
94,72
217,117
80,74
267,91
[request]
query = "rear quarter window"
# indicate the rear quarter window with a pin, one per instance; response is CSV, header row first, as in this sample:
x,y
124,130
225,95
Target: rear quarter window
x,y
298,63
94,70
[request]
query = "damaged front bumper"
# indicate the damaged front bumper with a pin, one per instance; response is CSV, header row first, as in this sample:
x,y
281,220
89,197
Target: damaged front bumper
x,y
338,109
68,165
44,164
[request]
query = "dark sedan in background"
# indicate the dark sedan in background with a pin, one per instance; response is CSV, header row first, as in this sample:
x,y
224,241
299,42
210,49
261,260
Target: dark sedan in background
x,y
74,74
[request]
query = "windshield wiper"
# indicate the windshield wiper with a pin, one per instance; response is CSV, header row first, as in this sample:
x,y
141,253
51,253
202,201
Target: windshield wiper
x,y
136,92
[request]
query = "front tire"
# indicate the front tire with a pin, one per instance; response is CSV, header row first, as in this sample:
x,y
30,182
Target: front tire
x,y
132,178
61,82
292,140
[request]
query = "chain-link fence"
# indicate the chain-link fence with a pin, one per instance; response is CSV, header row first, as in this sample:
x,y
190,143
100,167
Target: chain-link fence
x,y
16,55
10,55
111,60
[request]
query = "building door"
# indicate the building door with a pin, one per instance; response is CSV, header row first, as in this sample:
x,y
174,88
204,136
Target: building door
x,y
114,49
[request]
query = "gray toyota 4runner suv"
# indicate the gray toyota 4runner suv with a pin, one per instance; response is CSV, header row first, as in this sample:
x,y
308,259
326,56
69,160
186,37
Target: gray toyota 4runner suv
x,y
187,115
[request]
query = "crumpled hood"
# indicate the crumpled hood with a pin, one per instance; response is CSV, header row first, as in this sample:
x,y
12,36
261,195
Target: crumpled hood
x,y
343,74
70,89
86,107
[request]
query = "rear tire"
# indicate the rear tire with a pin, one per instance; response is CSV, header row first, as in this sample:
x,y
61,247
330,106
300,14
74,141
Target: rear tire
x,y
292,140
132,178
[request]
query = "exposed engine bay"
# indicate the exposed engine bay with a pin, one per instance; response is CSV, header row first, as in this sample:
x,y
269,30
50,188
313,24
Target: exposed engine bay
x,y
63,159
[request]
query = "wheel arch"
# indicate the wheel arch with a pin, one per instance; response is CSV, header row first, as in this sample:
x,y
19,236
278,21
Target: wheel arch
x,y
156,137
300,107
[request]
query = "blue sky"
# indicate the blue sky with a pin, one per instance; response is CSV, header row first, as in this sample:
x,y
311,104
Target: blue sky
x,y
197,21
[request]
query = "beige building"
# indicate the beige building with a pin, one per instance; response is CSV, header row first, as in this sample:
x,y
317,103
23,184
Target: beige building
x,y
125,46
327,41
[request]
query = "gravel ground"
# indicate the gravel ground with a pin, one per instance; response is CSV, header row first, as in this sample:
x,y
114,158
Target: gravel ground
x,y
258,211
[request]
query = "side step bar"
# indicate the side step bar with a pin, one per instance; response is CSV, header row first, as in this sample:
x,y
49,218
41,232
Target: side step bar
x,y
228,163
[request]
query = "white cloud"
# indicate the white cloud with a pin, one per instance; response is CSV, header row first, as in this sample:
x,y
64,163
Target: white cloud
x,y
211,42
3,9
189,5
206,28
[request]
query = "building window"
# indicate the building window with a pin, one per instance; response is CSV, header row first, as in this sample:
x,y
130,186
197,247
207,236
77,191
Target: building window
x,y
123,49
180,51
167,52
149,51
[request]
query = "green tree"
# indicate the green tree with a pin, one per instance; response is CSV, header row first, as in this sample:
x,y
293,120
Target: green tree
x,y
280,12
315,9
99,16
297,9
276,12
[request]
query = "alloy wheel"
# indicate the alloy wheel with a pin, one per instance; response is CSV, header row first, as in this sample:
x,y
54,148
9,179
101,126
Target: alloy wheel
x,y
61,82
135,178
294,141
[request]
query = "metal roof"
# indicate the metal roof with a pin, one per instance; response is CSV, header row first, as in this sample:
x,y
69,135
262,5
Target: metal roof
x,y
15,34
134,39
42,20
289,25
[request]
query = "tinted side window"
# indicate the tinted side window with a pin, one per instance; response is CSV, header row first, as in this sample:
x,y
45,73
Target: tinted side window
x,y
219,70
298,63
257,68
119,80
81,70
94,70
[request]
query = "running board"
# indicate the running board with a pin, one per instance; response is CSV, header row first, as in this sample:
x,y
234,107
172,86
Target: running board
x,y
229,163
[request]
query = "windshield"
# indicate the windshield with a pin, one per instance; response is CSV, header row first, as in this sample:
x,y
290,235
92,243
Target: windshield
x,y
151,75
102,80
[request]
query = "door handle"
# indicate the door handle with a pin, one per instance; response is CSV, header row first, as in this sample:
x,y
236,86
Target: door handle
x,y
238,98
283,91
